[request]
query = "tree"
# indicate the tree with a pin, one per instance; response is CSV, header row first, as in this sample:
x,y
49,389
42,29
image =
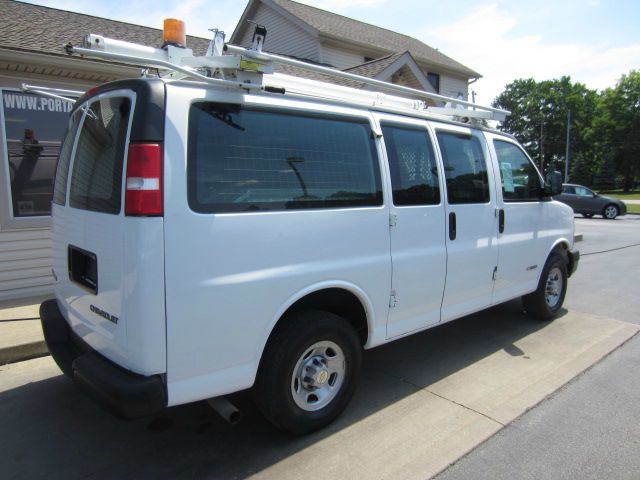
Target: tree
x,y
539,118
616,128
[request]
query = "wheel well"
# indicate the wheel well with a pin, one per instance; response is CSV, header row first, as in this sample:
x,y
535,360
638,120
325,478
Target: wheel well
x,y
563,249
337,301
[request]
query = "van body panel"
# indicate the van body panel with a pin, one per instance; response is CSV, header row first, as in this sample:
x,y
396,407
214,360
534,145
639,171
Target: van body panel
x,y
531,229
418,250
240,269
121,316
472,255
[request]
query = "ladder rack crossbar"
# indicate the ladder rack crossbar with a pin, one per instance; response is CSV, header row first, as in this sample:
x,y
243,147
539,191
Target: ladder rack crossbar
x,y
359,78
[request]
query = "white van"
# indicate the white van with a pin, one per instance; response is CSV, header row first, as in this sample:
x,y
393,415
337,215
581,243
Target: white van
x,y
209,240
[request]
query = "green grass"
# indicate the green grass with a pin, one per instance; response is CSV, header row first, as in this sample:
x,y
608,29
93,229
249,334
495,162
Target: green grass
x,y
633,208
632,195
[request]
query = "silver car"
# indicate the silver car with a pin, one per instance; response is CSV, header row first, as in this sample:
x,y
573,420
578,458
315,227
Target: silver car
x,y
588,203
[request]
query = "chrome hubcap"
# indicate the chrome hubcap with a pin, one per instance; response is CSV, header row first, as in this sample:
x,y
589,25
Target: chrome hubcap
x,y
318,375
553,288
611,212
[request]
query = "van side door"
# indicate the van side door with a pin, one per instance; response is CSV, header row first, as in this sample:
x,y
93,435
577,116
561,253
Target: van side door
x,y
472,222
417,225
522,210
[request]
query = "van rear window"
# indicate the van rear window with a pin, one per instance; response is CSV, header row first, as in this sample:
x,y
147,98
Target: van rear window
x,y
249,160
96,180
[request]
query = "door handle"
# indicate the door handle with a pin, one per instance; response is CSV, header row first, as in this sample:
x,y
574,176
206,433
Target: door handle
x,y
501,220
452,226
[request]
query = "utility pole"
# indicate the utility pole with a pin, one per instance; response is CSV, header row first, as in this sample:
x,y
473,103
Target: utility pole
x,y
566,155
541,150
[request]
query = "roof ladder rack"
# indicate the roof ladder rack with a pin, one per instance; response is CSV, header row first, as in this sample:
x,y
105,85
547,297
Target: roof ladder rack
x,y
243,68
57,93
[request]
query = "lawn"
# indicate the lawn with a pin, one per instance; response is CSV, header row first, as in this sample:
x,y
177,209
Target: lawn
x,y
633,208
632,195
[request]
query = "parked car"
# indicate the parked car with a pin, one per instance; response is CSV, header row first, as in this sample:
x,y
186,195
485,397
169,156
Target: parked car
x,y
589,203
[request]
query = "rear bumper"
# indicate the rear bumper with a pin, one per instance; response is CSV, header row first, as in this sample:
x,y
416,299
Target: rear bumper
x,y
123,393
574,259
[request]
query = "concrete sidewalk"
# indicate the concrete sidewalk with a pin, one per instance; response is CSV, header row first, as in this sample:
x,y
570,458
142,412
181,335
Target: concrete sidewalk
x,y
20,331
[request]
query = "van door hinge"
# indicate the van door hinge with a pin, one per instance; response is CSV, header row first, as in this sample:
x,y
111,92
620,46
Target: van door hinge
x,y
495,273
393,301
393,220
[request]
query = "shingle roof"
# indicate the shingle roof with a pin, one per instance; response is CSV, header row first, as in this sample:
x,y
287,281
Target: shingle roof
x,y
346,28
372,68
45,30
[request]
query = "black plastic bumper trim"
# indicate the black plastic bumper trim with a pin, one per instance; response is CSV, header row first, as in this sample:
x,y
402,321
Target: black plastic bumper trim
x,y
574,259
123,393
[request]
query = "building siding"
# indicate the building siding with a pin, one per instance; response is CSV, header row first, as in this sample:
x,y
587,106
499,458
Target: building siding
x,y
451,86
339,57
283,36
25,263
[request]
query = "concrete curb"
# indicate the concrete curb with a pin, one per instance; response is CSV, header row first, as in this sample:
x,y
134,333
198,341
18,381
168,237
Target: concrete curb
x,y
20,353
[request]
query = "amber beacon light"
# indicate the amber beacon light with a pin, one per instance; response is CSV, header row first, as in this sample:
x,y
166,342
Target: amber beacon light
x,y
174,33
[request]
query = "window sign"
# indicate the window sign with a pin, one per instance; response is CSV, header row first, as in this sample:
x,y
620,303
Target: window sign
x,y
34,128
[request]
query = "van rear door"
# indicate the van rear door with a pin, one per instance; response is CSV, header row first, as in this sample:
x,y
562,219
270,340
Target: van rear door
x,y
109,265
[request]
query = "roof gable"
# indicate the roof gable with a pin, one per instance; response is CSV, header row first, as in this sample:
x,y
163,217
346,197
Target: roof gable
x,y
345,28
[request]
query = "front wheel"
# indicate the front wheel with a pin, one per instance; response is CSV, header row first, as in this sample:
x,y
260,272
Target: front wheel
x,y
610,212
308,371
548,298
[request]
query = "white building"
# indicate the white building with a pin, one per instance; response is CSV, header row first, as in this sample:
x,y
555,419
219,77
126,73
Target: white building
x,y
32,127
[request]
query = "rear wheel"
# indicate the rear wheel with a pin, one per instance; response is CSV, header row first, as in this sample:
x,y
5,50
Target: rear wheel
x,y
547,300
308,371
610,212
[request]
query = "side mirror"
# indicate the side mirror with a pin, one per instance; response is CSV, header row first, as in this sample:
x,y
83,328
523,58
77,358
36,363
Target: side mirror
x,y
553,184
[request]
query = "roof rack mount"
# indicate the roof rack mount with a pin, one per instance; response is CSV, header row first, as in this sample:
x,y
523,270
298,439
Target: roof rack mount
x,y
244,68
57,93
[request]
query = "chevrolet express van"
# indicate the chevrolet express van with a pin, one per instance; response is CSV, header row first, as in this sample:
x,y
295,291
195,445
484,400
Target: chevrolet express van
x,y
209,240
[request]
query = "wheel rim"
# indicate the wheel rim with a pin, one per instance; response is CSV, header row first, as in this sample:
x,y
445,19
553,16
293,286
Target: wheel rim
x,y
553,288
611,212
318,376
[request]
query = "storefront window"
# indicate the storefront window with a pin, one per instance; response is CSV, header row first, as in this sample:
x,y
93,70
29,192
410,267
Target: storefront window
x,y
34,128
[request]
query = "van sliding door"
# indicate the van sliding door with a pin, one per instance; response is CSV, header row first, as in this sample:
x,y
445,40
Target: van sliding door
x,y
417,226
472,223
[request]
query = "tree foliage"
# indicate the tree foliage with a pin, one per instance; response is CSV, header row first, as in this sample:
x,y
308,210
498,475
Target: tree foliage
x,y
605,127
616,127
539,114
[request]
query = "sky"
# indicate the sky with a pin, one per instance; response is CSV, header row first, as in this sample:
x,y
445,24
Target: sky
x,y
592,41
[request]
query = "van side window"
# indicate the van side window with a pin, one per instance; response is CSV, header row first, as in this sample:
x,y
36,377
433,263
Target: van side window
x,y
96,182
520,179
252,160
62,169
414,172
465,168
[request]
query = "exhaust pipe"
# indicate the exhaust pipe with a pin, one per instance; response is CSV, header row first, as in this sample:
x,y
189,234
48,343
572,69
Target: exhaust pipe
x,y
225,409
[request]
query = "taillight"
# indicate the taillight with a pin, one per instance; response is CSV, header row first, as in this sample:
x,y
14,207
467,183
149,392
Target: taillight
x,y
144,180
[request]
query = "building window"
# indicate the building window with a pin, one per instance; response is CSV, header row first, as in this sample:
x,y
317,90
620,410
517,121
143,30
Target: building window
x,y
434,80
34,128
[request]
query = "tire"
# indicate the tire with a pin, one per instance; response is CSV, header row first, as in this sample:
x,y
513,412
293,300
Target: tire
x,y
587,215
308,371
546,301
610,212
